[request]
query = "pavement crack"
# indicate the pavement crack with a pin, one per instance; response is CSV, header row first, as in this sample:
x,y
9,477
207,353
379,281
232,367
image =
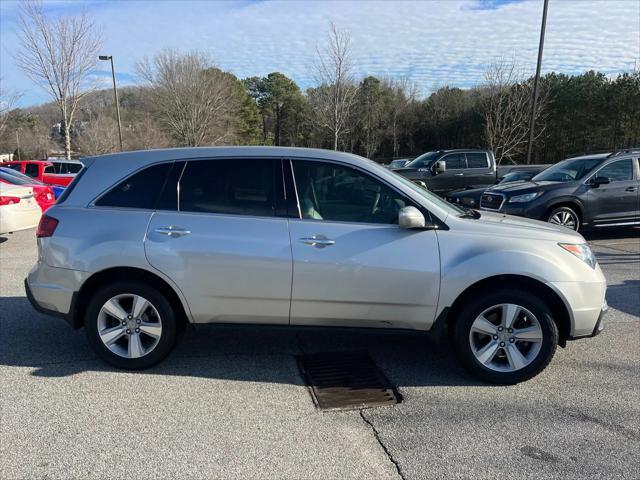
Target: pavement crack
x,y
376,434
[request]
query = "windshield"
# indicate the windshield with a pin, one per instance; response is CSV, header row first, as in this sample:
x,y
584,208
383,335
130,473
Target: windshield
x,y
515,176
568,170
423,160
433,198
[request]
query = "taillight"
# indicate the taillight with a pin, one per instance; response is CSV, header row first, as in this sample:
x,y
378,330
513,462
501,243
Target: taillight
x,y
46,227
9,200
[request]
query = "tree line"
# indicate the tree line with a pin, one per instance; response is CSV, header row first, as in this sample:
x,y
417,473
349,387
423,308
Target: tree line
x,y
186,100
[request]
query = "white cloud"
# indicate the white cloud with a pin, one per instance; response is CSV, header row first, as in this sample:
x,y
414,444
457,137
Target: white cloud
x,y
433,43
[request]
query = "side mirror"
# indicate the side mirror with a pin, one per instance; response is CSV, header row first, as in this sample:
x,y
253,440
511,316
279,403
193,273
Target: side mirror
x,y
410,217
440,166
597,181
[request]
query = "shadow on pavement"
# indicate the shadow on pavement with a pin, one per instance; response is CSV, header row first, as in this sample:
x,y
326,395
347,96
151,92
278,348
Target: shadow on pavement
x,y
625,297
612,233
241,353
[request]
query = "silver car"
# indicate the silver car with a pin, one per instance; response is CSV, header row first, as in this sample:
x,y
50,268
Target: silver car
x,y
143,243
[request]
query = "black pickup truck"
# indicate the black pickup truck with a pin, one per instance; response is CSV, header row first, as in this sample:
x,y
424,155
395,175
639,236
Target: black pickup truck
x,y
447,170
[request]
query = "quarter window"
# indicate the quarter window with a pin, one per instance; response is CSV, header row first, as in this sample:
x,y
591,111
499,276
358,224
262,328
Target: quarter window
x,y
331,192
140,190
617,171
477,160
234,186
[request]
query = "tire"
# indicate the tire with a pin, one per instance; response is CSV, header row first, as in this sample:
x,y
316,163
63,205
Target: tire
x,y
534,335
565,216
130,343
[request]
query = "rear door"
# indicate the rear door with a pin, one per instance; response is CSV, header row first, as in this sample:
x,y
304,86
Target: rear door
x,y
616,201
478,170
216,233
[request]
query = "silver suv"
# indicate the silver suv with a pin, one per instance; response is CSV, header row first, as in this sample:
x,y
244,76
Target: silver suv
x,y
143,243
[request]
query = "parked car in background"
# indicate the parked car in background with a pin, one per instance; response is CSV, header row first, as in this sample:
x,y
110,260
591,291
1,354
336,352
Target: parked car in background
x,y
65,167
470,197
18,208
146,242
447,170
398,162
42,193
589,191
41,170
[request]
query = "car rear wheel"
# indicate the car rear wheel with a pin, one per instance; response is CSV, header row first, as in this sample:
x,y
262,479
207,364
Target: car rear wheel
x,y
505,336
130,325
566,217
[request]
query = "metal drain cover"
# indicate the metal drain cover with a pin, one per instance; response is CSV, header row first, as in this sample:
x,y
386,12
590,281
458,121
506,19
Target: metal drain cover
x,y
341,381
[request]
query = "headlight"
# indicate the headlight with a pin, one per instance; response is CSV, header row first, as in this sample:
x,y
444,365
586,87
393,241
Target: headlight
x,y
582,251
527,197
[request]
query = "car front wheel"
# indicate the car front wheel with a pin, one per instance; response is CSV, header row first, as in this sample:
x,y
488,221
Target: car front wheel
x,y
130,325
566,217
506,336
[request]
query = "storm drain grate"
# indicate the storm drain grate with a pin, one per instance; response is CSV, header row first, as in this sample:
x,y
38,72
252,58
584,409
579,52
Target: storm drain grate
x,y
340,381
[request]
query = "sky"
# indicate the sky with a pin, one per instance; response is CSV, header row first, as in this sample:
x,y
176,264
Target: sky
x,y
432,43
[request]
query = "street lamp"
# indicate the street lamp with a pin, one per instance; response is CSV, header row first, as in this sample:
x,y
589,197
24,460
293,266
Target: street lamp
x,y
115,93
536,80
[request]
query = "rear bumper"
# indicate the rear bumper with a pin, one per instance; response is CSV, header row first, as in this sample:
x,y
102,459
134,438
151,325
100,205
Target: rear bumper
x,y
69,316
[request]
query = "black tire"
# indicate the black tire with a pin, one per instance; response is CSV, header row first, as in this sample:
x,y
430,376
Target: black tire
x,y
567,212
169,321
485,300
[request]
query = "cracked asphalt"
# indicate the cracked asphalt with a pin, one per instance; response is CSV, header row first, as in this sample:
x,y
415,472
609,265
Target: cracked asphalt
x,y
230,402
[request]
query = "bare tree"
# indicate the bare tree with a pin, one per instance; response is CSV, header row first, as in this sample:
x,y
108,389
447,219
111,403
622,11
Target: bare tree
x,y
98,137
144,134
336,95
59,55
192,99
403,95
508,109
8,100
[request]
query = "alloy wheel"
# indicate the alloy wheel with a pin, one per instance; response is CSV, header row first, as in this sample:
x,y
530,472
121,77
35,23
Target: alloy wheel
x,y
129,325
506,337
566,218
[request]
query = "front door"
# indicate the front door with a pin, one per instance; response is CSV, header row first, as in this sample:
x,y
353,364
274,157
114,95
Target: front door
x,y
452,178
353,265
222,243
616,201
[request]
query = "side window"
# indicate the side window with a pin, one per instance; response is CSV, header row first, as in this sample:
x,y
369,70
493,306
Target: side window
x,y
455,161
31,169
617,171
477,160
15,166
140,190
331,192
49,169
232,186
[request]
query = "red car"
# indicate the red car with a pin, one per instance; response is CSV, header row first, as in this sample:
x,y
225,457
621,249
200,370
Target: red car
x,y
41,170
43,193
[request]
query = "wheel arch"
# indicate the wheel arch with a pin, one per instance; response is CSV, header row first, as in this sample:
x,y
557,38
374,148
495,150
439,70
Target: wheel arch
x,y
106,276
561,315
566,202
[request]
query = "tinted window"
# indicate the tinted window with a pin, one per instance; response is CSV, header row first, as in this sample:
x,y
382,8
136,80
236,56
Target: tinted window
x,y
328,191
617,171
31,169
67,167
455,161
15,166
139,190
237,186
169,197
49,169
477,160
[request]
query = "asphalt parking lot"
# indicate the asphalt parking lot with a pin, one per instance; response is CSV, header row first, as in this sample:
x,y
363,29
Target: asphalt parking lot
x,y
230,402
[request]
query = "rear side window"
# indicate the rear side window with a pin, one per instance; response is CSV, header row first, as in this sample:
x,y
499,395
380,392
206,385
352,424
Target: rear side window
x,y
140,190
234,186
31,169
477,160
617,171
15,166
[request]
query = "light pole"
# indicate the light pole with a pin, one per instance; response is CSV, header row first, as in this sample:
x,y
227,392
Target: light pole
x,y
115,93
536,80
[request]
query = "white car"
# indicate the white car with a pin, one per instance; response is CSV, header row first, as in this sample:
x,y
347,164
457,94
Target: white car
x,y
18,208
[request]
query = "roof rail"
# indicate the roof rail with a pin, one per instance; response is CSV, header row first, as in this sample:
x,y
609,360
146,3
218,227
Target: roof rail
x,y
624,151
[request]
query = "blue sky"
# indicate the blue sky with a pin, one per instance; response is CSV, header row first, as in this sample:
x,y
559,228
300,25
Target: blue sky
x,y
434,43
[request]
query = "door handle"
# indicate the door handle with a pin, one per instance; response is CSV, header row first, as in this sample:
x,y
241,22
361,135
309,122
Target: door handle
x,y
318,241
630,189
172,231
